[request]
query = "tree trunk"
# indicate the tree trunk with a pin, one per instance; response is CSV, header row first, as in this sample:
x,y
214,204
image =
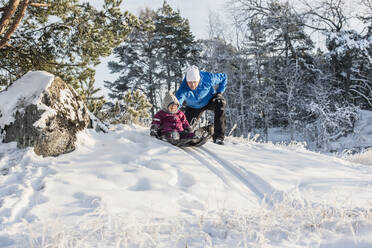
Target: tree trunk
x,y
8,14
15,24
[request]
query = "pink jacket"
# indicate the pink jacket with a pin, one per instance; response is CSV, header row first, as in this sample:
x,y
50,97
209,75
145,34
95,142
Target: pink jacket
x,y
168,122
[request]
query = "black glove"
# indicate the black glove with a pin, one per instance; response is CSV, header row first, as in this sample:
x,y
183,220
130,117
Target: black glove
x,y
218,98
218,95
154,130
188,129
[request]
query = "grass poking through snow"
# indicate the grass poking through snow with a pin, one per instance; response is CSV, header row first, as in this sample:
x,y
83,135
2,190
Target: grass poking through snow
x,y
296,221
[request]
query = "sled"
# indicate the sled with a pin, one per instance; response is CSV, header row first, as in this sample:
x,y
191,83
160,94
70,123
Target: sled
x,y
203,134
188,142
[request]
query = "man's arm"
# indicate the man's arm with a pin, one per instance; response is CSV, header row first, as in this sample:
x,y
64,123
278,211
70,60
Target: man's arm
x,y
220,79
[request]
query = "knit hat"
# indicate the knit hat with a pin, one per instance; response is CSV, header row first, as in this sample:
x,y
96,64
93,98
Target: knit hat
x,y
192,74
168,99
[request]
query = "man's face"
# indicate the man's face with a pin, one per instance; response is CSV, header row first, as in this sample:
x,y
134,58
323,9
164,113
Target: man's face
x,y
193,84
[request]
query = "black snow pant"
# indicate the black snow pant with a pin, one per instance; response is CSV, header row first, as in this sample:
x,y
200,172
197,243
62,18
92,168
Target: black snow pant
x,y
218,106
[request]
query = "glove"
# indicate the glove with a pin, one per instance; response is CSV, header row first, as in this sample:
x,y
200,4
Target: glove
x,y
218,98
188,129
154,130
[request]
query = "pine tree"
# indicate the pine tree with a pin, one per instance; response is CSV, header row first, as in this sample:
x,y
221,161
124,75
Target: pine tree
x,y
65,37
176,44
137,63
134,107
349,58
152,59
88,91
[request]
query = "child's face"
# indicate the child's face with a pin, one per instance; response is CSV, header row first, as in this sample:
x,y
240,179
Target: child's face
x,y
173,107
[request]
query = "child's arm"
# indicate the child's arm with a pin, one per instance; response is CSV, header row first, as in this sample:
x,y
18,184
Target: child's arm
x,y
155,125
185,124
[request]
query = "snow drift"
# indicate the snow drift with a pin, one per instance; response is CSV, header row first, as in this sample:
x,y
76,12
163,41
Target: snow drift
x,y
127,189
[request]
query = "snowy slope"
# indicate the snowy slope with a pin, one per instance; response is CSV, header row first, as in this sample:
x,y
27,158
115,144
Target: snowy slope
x,y
127,189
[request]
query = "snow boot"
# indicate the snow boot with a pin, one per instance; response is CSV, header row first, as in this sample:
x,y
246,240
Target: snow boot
x,y
218,141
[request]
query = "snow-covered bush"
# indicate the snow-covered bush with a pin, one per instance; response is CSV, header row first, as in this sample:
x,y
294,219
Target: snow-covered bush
x,y
350,61
364,157
331,122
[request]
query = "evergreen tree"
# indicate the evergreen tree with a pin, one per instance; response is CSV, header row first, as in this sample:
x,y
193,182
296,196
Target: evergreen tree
x,y
349,59
176,44
137,63
134,108
258,48
65,37
152,59
87,93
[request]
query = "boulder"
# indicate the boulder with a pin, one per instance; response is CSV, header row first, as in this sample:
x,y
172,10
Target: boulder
x,y
41,111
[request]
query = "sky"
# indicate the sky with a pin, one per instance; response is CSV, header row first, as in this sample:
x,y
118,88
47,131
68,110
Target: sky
x,y
196,11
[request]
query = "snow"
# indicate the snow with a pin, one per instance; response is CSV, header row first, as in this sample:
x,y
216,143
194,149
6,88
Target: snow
x,y
126,189
360,139
364,157
26,90
356,142
67,98
347,41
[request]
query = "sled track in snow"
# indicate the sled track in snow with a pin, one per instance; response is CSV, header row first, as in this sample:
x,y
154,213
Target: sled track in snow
x,y
262,189
209,163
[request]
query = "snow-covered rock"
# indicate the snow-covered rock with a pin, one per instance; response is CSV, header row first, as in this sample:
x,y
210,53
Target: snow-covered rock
x,y
42,111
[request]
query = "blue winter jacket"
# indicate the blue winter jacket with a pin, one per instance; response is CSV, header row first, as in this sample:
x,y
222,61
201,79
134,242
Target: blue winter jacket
x,y
201,96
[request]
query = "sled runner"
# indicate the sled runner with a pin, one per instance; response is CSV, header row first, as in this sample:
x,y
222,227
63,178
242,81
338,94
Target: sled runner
x,y
202,136
188,142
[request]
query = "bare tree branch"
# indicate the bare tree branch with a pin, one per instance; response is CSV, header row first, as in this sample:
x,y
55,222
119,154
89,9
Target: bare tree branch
x,y
39,4
367,3
330,13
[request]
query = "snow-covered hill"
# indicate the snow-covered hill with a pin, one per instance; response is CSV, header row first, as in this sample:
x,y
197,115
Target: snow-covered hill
x,y
127,189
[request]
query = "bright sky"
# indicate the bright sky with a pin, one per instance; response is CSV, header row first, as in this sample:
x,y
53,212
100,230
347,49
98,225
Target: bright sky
x,y
196,11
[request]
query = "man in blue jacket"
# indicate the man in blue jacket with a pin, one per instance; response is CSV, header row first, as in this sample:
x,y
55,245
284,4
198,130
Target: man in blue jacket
x,y
198,90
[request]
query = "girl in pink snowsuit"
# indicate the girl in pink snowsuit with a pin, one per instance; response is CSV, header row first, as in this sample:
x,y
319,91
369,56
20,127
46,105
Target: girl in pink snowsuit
x,y
170,122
